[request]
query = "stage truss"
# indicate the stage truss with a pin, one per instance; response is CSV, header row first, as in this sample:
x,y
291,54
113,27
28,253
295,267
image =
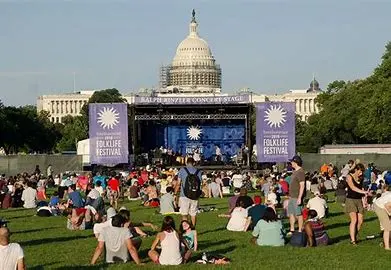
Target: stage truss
x,y
166,117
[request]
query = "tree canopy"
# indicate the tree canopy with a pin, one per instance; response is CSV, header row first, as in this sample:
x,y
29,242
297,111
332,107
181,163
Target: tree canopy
x,y
352,112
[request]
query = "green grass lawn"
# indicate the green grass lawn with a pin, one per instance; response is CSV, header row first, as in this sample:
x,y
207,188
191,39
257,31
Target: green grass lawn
x,y
49,245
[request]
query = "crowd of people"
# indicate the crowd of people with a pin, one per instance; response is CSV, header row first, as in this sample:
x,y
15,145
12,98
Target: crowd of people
x,y
291,193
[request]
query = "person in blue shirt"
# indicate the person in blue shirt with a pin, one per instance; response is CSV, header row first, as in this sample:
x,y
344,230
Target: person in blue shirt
x,y
54,199
100,178
256,212
187,206
75,197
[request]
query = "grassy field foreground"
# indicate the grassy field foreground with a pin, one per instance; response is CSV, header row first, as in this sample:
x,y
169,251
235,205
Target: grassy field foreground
x,y
49,245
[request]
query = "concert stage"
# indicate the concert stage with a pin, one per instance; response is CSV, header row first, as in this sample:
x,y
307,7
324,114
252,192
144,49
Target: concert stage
x,y
192,124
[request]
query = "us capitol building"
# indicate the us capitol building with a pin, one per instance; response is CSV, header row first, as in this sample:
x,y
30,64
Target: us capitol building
x,y
193,72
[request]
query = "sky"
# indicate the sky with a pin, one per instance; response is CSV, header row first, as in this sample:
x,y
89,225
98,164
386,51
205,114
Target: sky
x,y
267,46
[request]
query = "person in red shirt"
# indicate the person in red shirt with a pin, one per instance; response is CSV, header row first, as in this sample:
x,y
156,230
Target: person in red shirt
x,y
284,186
113,185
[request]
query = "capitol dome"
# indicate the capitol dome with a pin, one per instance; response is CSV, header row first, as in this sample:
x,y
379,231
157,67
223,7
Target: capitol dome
x,y
194,68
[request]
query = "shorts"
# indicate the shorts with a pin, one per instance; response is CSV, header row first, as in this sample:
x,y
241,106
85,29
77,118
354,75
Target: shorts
x,y
226,190
188,206
114,194
354,206
293,208
384,218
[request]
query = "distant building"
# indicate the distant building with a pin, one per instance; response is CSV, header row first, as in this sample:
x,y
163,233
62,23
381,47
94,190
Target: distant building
x,y
356,149
63,104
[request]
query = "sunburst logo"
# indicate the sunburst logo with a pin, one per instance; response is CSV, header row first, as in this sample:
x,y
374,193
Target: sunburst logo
x,y
275,116
108,118
194,133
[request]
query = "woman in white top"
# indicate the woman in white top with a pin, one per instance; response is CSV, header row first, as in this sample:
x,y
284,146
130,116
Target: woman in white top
x,y
238,221
170,244
383,211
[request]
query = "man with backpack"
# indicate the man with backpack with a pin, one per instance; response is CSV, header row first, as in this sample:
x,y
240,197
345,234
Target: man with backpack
x,y
190,190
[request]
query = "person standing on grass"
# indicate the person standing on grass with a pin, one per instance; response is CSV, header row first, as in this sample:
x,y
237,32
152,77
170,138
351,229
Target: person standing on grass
x,y
354,200
189,179
117,241
11,254
113,185
296,194
383,211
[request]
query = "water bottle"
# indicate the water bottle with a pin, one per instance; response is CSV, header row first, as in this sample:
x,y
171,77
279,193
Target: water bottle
x,y
204,257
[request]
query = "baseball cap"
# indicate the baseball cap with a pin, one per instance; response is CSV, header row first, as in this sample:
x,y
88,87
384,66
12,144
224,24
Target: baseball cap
x,y
111,212
257,200
297,159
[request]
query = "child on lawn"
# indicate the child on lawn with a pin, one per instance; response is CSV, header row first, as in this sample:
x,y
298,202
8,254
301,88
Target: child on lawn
x,y
190,240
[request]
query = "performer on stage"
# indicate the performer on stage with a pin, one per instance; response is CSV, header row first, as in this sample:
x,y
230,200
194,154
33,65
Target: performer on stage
x,y
197,156
218,154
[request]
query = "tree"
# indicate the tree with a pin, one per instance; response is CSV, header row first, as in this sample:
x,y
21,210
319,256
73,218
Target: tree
x,y
74,130
103,96
353,112
335,86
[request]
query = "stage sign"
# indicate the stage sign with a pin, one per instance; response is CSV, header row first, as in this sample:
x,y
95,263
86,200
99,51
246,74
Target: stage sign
x,y
275,131
108,130
237,99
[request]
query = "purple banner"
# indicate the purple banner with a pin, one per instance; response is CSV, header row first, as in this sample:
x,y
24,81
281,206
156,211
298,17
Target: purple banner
x,y
275,133
237,99
108,124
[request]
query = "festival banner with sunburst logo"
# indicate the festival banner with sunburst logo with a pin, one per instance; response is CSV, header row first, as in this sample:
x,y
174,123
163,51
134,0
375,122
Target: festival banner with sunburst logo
x,y
108,130
275,133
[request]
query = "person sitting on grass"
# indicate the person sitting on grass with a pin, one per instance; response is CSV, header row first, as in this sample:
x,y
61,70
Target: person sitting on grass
x,y
74,197
170,245
190,239
117,241
318,204
238,221
247,201
232,200
315,231
152,194
78,218
134,228
167,202
11,254
134,191
269,230
106,222
255,212
29,196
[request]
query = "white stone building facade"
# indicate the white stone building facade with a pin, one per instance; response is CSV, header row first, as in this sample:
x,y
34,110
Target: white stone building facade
x,y
62,105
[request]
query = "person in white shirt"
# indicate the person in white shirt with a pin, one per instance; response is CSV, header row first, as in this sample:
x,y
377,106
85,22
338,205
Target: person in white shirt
x,y
116,240
237,180
29,196
272,198
383,210
98,227
318,204
239,220
11,254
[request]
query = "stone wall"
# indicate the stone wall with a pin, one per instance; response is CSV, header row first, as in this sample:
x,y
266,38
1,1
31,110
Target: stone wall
x,y
314,161
11,165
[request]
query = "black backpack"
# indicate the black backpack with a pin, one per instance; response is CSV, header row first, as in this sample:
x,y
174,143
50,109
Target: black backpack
x,y
192,185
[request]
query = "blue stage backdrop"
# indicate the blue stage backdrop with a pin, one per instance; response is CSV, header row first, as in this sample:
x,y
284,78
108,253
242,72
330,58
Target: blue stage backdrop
x,y
184,139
